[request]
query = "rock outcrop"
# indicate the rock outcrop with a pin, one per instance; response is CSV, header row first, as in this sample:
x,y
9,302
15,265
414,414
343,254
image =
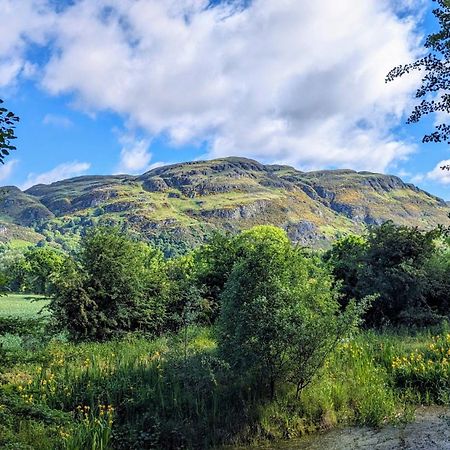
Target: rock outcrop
x,y
185,202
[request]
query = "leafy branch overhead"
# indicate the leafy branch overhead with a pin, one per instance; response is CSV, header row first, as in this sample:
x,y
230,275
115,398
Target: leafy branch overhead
x,y
8,121
434,91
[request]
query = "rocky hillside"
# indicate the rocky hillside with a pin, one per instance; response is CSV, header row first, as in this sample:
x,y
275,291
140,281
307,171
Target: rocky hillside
x,y
176,206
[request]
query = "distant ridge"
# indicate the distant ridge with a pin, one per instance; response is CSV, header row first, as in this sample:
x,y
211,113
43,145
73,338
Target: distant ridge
x,y
178,205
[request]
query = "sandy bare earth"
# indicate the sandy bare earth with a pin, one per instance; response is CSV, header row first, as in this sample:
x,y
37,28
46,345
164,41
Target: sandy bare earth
x,y
429,431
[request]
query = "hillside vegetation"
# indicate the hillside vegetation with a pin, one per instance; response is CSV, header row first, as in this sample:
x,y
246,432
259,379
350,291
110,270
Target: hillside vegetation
x,y
177,206
244,339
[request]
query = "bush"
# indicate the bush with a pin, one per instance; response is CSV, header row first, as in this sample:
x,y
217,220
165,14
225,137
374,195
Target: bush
x,y
395,264
280,317
117,286
20,326
214,262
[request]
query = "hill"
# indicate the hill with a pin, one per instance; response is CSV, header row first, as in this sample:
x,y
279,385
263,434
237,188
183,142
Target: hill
x,y
176,206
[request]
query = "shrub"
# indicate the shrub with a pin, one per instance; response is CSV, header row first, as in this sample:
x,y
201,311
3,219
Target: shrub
x,y
393,263
214,262
280,316
118,286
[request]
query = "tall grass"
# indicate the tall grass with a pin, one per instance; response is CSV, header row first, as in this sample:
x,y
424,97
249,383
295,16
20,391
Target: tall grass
x,y
137,394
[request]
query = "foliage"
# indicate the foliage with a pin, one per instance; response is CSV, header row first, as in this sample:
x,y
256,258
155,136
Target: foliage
x,y
142,394
94,429
32,269
8,121
214,262
20,326
12,269
347,261
280,316
395,264
435,86
185,302
426,372
438,278
43,266
284,358
394,269
117,286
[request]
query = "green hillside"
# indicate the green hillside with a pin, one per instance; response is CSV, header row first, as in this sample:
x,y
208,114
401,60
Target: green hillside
x,y
176,206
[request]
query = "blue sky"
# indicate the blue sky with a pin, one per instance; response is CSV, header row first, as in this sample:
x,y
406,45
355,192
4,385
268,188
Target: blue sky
x,y
117,86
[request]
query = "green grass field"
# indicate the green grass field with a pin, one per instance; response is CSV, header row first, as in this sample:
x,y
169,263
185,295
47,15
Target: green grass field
x,y
25,306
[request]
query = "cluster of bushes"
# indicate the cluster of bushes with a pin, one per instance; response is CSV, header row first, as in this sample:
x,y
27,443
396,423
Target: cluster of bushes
x,y
406,269
274,307
246,336
116,284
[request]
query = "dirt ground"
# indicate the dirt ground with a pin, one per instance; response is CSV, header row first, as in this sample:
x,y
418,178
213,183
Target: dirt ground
x,y
429,431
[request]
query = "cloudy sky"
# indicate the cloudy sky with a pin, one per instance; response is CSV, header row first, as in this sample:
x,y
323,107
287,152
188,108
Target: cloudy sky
x,y
120,86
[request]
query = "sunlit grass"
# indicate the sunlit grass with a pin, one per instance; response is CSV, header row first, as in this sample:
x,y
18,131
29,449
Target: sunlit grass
x,y
22,305
169,393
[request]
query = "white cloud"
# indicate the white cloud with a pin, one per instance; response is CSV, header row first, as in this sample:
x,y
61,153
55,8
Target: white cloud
x,y
134,156
7,169
441,176
61,172
410,6
57,121
404,174
157,164
282,80
22,22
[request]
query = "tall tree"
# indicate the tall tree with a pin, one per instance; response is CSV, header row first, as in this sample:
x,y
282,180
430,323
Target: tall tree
x,y
8,121
398,265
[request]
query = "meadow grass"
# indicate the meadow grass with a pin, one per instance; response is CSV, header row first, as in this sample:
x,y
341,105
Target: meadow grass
x,y
25,306
137,393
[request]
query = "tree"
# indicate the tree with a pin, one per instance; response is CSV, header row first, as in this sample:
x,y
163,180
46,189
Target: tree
x,y
42,266
393,263
185,303
13,267
394,268
438,279
346,258
8,121
435,89
117,286
213,263
280,316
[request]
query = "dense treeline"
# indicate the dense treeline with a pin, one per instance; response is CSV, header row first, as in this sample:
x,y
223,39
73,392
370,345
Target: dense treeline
x,y
116,284
248,335
276,312
255,288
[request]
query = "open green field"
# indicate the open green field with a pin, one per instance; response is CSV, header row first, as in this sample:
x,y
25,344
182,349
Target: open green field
x,y
25,306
